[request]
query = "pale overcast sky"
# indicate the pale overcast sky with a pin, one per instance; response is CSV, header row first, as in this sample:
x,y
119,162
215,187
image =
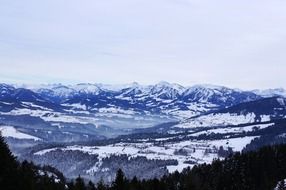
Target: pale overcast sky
x,y
234,43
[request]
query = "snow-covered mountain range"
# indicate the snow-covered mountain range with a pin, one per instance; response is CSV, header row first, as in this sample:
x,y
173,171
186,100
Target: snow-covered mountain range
x,y
160,98
165,126
95,111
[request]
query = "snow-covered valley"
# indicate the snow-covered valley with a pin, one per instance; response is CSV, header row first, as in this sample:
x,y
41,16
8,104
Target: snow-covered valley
x,y
94,129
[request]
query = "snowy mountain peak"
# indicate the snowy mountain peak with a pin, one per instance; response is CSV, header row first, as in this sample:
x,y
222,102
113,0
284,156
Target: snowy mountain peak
x,y
164,84
271,92
117,87
209,86
166,90
87,88
203,92
5,89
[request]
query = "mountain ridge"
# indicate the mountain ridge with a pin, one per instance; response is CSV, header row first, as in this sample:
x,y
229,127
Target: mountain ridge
x,y
160,98
91,110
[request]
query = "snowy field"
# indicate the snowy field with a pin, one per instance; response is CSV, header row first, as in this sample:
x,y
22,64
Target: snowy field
x,y
222,119
194,152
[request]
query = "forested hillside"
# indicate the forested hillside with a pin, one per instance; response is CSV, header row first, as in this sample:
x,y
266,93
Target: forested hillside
x,y
261,169
26,176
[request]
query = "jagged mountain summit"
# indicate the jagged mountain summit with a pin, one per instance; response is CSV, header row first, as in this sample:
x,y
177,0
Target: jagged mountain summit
x,y
158,97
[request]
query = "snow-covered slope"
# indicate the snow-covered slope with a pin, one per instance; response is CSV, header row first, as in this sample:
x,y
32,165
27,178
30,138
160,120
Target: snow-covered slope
x,y
9,131
187,153
262,110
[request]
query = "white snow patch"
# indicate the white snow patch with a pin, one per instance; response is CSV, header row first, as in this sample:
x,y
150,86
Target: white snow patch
x,y
220,120
10,131
233,129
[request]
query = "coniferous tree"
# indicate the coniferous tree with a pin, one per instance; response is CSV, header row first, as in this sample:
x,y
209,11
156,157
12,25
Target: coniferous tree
x,y
120,181
90,186
79,184
8,167
134,184
281,185
24,176
101,186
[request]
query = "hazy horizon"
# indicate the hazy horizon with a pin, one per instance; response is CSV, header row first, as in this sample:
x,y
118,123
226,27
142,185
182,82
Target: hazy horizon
x,y
121,85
